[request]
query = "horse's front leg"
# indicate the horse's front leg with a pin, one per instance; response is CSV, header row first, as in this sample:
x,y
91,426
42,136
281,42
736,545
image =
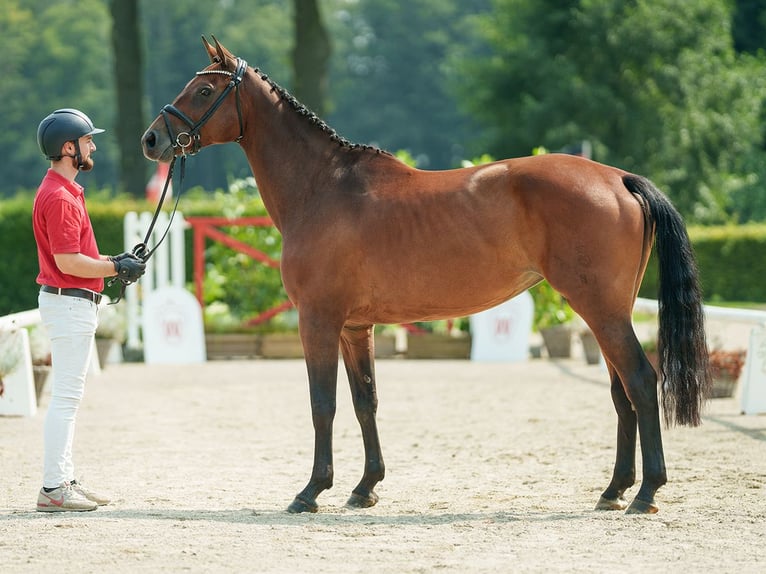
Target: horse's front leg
x,y
358,355
320,347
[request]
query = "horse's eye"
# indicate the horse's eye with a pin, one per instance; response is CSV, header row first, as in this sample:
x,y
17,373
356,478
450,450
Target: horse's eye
x,y
205,91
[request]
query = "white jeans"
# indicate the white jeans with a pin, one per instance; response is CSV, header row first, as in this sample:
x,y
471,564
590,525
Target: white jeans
x,y
71,324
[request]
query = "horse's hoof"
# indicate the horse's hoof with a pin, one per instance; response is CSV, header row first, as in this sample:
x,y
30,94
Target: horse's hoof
x,y
360,501
299,505
611,503
642,507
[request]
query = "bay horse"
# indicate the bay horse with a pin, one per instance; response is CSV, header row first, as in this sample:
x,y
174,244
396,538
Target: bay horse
x,y
368,239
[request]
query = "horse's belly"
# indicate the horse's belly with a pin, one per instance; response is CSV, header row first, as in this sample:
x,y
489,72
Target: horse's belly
x,y
449,293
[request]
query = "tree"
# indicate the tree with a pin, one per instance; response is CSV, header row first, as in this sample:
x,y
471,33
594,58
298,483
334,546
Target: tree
x,y
749,26
311,54
53,58
656,85
258,31
128,72
392,80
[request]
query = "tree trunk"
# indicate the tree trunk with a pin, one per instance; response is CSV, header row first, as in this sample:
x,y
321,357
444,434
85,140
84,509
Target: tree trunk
x,y
310,56
128,70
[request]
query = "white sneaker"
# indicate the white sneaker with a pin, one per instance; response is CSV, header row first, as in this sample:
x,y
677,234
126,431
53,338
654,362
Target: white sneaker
x,y
84,491
63,499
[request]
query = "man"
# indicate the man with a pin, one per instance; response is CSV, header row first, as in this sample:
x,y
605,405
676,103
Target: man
x,y
71,277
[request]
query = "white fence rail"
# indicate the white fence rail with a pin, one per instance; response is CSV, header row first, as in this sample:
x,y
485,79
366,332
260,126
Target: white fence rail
x,y
19,320
752,316
166,268
752,392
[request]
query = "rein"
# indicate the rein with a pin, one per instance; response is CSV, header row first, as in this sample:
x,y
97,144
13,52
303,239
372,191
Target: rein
x,y
141,250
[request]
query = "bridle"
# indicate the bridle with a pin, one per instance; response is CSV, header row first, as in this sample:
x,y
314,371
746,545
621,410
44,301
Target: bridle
x,y
191,138
185,140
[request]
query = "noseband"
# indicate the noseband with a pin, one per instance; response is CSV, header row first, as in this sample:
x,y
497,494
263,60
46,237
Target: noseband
x,y
191,138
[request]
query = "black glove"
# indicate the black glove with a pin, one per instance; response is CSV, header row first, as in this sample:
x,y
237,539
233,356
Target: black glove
x,y
121,256
129,267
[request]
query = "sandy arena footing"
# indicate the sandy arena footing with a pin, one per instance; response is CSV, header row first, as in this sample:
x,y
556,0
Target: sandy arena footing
x,y
490,468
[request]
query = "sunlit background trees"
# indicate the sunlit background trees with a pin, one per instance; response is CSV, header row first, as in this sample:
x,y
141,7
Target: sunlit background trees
x,y
672,90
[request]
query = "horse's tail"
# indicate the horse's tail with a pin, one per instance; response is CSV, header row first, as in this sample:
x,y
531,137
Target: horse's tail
x,y
684,366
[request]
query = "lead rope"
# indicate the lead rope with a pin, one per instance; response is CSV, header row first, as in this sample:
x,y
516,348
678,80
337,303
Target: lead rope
x,y
141,249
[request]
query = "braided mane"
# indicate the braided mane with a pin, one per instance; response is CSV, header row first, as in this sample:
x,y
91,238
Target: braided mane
x,y
312,117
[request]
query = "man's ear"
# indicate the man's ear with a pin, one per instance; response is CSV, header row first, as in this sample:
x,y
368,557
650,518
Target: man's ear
x,y
68,149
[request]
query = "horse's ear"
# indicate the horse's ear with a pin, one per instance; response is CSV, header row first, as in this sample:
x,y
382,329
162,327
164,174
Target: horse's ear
x,y
225,57
210,50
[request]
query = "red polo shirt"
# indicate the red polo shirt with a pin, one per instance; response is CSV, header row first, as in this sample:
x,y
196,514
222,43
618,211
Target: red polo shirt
x,y
61,225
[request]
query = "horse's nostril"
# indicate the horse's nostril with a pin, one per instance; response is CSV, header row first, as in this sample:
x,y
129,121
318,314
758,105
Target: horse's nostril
x,y
150,139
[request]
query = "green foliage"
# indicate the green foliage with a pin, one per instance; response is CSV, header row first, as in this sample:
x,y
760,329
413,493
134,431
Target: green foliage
x,y
405,157
730,261
53,57
550,307
244,286
391,78
669,89
236,286
655,86
19,267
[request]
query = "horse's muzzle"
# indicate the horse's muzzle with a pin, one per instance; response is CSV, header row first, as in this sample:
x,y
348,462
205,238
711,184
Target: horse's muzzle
x,y
156,145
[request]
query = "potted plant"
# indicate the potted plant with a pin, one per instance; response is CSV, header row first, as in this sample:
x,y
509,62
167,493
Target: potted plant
x,y
590,346
224,335
552,317
40,351
280,338
439,340
228,336
10,356
725,368
386,337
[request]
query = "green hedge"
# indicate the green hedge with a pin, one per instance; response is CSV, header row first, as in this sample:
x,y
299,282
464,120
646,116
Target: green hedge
x,y
731,258
18,264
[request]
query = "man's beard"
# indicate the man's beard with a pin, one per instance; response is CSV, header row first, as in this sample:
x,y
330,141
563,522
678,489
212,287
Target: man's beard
x,y
87,165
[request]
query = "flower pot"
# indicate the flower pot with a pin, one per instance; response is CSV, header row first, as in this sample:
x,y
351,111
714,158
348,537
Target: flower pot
x,y
41,374
723,387
385,346
725,366
281,346
558,341
590,347
231,346
436,346
103,348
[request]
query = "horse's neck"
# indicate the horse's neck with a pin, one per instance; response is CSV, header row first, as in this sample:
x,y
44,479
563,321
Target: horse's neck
x,y
286,152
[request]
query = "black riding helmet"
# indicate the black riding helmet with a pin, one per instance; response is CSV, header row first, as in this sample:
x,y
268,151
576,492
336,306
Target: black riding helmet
x,y
62,126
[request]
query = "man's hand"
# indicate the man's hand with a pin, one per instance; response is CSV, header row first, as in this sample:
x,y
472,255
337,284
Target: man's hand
x,y
129,268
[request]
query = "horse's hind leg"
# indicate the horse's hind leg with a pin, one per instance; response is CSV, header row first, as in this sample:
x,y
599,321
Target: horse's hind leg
x,y
358,356
624,475
637,406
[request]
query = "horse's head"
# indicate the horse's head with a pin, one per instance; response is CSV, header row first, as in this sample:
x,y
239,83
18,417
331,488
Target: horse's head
x,y
206,101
